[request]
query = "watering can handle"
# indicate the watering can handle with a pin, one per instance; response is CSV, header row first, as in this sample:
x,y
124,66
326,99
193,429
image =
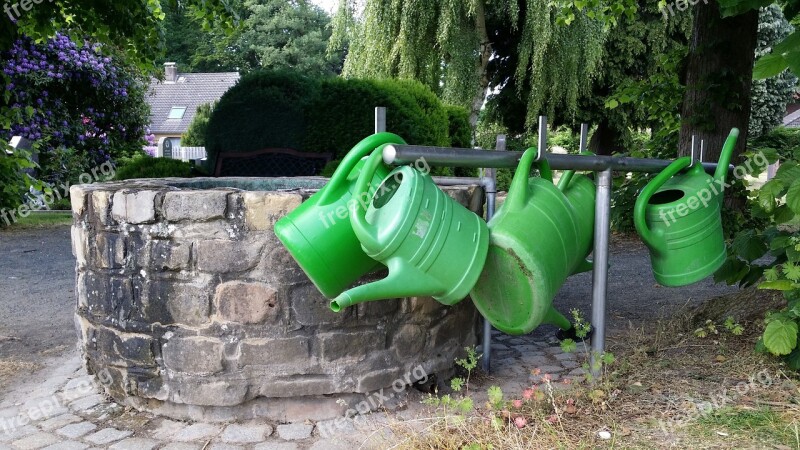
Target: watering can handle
x,y
518,191
358,208
566,177
725,155
640,209
352,158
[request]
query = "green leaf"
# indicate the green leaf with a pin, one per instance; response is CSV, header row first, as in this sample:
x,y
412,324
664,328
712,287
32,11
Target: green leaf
x,y
769,66
793,197
611,104
789,43
783,214
780,336
749,246
568,346
793,359
792,271
771,274
495,395
787,173
778,285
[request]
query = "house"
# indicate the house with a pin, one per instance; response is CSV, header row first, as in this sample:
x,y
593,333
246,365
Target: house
x,y
174,101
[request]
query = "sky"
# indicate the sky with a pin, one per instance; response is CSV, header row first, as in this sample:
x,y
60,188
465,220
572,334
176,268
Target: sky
x,y
327,5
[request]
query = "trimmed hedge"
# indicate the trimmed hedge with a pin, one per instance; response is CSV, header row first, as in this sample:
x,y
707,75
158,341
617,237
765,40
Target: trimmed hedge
x,y
147,167
281,109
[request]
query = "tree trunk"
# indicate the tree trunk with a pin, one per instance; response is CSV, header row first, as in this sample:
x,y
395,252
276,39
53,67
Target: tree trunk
x,y
718,79
605,140
484,53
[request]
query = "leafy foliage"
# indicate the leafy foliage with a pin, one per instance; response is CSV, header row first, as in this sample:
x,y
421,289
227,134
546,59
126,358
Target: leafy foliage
x,y
282,109
447,46
62,95
195,135
769,96
13,181
272,34
147,167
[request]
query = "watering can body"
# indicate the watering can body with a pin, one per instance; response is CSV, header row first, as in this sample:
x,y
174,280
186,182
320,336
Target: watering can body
x,y
678,216
540,236
432,245
318,234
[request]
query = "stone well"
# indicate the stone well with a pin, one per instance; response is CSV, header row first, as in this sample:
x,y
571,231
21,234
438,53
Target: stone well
x,y
192,308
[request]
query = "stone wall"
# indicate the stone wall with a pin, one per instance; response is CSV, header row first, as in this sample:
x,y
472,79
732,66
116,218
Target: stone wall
x,y
195,309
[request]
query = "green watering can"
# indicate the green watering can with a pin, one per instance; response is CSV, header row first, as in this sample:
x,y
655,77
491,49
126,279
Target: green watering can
x,y
318,234
540,236
678,218
432,245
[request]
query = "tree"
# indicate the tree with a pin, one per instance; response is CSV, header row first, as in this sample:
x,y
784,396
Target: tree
x,y
271,34
195,136
449,46
770,95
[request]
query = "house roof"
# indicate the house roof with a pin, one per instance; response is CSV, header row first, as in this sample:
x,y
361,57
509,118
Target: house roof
x,y
792,120
189,91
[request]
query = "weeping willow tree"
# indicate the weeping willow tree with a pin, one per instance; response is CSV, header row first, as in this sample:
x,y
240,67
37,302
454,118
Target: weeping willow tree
x,y
448,45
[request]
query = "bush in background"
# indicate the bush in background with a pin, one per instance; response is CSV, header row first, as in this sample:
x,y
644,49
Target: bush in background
x,y
195,135
327,115
147,167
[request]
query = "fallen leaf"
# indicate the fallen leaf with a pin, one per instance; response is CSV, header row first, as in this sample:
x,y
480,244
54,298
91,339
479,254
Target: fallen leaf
x,y
721,358
722,433
604,435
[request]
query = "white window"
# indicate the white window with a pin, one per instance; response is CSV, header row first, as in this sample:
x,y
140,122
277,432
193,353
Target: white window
x,y
177,112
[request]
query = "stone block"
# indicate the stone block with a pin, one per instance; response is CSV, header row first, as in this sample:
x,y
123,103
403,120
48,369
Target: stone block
x,y
377,379
170,255
67,445
351,345
197,432
135,444
59,421
35,441
245,433
262,209
196,355
263,352
195,205
226,256
107,436
101,200
246,302
77,198
408,341
276,446
310,308
177,302
297,386
80,245
295,431
76,430
378,310
209,393
109,251
134,206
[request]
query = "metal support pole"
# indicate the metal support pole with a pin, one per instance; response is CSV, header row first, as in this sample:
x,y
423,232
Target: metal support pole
x,y
602,231
380,119
584,137
490,185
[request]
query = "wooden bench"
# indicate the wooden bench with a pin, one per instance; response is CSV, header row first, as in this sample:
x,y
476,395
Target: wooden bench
x,y
271,162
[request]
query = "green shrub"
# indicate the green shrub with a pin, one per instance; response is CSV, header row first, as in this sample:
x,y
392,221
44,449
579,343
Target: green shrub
x,y
147,167
785,140
195,136
263,110
280,109
14,183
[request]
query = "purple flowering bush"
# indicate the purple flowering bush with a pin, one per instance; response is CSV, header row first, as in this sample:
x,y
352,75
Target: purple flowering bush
x,y
83,98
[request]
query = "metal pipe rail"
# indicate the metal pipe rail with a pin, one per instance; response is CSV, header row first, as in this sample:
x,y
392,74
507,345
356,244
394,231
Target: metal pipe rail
x,y
465,157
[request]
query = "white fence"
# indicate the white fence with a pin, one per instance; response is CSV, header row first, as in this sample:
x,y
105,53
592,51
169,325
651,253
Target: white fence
x,y
184,153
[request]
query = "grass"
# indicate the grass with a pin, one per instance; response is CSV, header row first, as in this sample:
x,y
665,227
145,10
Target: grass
x,y
661,372
42,220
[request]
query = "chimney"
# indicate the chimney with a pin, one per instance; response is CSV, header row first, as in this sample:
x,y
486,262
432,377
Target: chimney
x,y
171,72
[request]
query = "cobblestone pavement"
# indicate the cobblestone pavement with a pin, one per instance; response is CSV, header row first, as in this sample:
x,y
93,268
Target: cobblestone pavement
x,y
60,408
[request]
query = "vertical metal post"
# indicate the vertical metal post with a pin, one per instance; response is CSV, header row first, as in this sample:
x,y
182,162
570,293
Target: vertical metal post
x,y
380,119
584,137
542,135
602,231
490,184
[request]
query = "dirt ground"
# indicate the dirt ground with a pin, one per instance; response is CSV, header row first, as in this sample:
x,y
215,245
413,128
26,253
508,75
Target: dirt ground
x,y
37,284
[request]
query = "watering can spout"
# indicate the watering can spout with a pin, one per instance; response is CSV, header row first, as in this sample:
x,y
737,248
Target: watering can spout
x,y
725,156
404,280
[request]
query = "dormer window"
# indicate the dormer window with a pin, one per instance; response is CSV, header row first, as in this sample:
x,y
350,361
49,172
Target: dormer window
x,y
177,112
